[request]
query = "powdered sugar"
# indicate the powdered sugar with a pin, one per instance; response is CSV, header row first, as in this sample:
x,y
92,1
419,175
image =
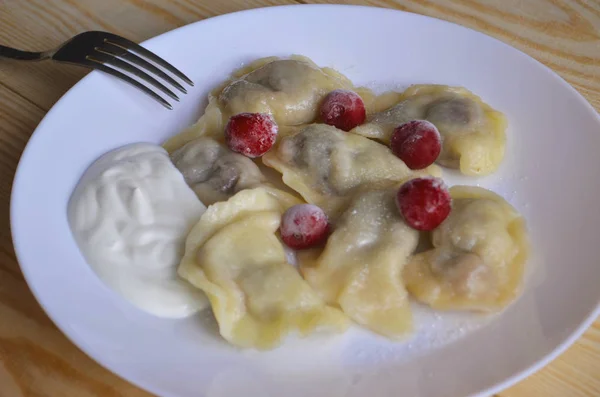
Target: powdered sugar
x,y
432,331
438,183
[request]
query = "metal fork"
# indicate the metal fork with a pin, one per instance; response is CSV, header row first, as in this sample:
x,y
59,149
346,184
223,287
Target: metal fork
x,y
114,55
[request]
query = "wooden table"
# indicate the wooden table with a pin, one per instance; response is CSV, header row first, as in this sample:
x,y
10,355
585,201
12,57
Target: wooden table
x,y
35,358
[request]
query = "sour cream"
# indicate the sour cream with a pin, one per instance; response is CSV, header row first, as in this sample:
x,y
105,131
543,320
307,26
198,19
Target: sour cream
x,y
130,215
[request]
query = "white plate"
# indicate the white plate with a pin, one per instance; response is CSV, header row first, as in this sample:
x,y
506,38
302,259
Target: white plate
x,y
550,174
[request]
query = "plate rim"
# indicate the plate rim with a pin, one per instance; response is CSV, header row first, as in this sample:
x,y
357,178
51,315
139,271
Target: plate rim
x,y
83,346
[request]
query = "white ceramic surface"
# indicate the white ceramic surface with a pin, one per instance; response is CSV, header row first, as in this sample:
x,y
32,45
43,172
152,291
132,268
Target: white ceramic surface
x,y
550,174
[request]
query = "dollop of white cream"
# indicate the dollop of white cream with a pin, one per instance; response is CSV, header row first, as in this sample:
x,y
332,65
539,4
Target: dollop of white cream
x,y
130,215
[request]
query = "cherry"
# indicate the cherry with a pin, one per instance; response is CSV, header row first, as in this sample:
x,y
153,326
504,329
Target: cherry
x,y
424,202
343,109
304,226
251,134
417,143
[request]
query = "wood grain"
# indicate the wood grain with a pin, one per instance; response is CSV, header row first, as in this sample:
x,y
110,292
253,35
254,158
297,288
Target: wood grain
x,y
35,358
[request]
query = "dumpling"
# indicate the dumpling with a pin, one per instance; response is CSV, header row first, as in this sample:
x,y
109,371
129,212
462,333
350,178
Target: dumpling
x,y
210,124
478,255
234,255
214,172
361,264
289,89
473,134
326,165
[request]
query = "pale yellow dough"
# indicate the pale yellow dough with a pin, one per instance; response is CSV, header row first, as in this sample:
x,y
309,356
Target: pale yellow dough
x,y
234,256
473,134
326,165
478,257
290,90
360,267
367,269
214,172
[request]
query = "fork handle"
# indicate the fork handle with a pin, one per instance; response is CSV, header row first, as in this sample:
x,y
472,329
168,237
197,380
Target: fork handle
x,y
13,53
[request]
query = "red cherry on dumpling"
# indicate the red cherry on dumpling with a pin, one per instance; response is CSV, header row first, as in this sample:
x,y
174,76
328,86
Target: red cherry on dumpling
x,y
424,202
417,143
343,109
251,134
304,226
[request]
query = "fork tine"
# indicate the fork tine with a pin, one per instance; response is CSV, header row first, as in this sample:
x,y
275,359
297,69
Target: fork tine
x,y
97,64
130,45
112,49
120,64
